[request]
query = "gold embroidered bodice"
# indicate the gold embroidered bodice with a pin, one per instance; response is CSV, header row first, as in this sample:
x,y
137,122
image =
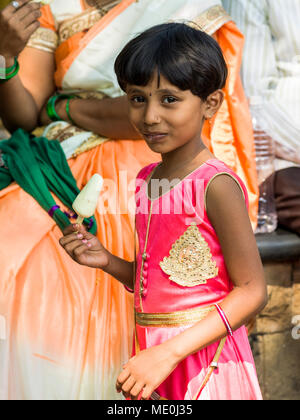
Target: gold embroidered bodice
x,y
190,261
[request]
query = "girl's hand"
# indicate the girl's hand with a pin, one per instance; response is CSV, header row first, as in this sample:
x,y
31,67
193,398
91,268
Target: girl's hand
x,y
83,247
145,372
16,27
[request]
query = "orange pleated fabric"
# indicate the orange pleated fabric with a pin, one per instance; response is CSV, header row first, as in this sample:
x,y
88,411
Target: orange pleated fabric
x,y
65,329
230,136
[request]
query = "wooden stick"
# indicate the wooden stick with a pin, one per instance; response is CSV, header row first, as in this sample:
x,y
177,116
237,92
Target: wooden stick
x,y
79,220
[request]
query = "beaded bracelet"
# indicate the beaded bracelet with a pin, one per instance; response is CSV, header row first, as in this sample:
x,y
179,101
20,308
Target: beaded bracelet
x,y
224,319
10,72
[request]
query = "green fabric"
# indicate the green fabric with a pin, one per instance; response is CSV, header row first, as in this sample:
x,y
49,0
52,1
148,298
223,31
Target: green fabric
x,y
40,166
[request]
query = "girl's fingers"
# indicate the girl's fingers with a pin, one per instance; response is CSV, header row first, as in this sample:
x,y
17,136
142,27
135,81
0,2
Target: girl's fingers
x,y
74,228
136,390
70,229
127,386
121,379
73,237
79,250
79,239
147,392
75,248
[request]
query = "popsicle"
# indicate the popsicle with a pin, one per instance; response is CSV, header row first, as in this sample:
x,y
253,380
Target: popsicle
x,y
86,202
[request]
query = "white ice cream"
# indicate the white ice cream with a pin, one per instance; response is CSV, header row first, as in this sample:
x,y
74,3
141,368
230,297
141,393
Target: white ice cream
x,y
86,202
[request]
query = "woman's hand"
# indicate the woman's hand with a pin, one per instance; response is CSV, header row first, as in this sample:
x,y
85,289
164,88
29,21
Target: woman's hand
x,y
146,371
83,247
16,27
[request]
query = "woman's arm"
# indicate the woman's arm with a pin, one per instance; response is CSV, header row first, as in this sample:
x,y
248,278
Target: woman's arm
x,y
228,214
22,97
107,117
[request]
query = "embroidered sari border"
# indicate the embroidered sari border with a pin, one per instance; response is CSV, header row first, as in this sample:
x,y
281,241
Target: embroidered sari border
x,y
212,19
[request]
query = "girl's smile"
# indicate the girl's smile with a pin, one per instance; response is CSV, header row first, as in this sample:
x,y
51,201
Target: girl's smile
x,y
154,137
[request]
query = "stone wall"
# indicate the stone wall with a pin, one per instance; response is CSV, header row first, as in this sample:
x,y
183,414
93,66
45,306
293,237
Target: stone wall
x,y
276,352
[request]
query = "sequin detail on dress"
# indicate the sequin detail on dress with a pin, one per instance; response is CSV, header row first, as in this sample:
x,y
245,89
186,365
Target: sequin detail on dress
x,y
190,261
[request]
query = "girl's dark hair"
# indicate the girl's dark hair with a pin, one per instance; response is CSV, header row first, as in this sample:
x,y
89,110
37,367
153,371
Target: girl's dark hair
x,y
188,58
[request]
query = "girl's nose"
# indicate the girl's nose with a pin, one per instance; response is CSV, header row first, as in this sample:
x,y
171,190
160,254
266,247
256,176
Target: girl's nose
x,y
151,115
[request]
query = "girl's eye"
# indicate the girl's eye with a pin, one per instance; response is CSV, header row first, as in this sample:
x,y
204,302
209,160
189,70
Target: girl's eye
x,y
138,99
169,100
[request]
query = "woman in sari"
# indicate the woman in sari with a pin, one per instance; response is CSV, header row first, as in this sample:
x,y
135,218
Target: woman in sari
x,y
61,335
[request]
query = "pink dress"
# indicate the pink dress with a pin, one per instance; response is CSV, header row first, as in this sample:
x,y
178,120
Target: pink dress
x,y
180,267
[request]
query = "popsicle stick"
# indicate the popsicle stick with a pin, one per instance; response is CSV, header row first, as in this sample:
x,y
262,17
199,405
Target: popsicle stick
x,y
79,220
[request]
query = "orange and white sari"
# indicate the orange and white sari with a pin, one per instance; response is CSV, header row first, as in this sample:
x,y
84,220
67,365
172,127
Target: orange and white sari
x,y
65,329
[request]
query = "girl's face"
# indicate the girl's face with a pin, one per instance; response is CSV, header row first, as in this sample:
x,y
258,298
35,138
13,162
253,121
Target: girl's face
x,y
167,117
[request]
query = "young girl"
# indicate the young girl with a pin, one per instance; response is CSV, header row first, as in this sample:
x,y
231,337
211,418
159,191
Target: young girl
x,y
198,277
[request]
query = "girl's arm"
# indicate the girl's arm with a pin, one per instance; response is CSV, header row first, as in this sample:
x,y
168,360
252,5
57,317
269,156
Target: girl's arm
x,y
86,249
228,214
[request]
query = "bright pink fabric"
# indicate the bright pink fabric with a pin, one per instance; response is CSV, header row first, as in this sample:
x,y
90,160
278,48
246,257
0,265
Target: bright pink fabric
x,y
236,376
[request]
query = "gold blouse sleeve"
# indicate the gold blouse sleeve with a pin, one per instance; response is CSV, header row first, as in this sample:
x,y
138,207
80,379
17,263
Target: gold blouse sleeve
x,y
44,39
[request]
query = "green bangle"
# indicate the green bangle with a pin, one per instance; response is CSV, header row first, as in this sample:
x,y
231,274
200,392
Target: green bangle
x,y
51,111
52,114
11,72
68,110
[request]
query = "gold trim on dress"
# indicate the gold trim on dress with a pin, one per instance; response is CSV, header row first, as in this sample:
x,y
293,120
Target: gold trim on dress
x,y
190,261
177,319
172,319
43,39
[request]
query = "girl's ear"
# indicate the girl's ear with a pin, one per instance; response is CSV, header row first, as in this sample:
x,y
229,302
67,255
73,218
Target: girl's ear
x,y
213,103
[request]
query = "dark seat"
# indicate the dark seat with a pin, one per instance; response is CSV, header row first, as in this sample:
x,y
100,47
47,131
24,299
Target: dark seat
x,y
280,245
